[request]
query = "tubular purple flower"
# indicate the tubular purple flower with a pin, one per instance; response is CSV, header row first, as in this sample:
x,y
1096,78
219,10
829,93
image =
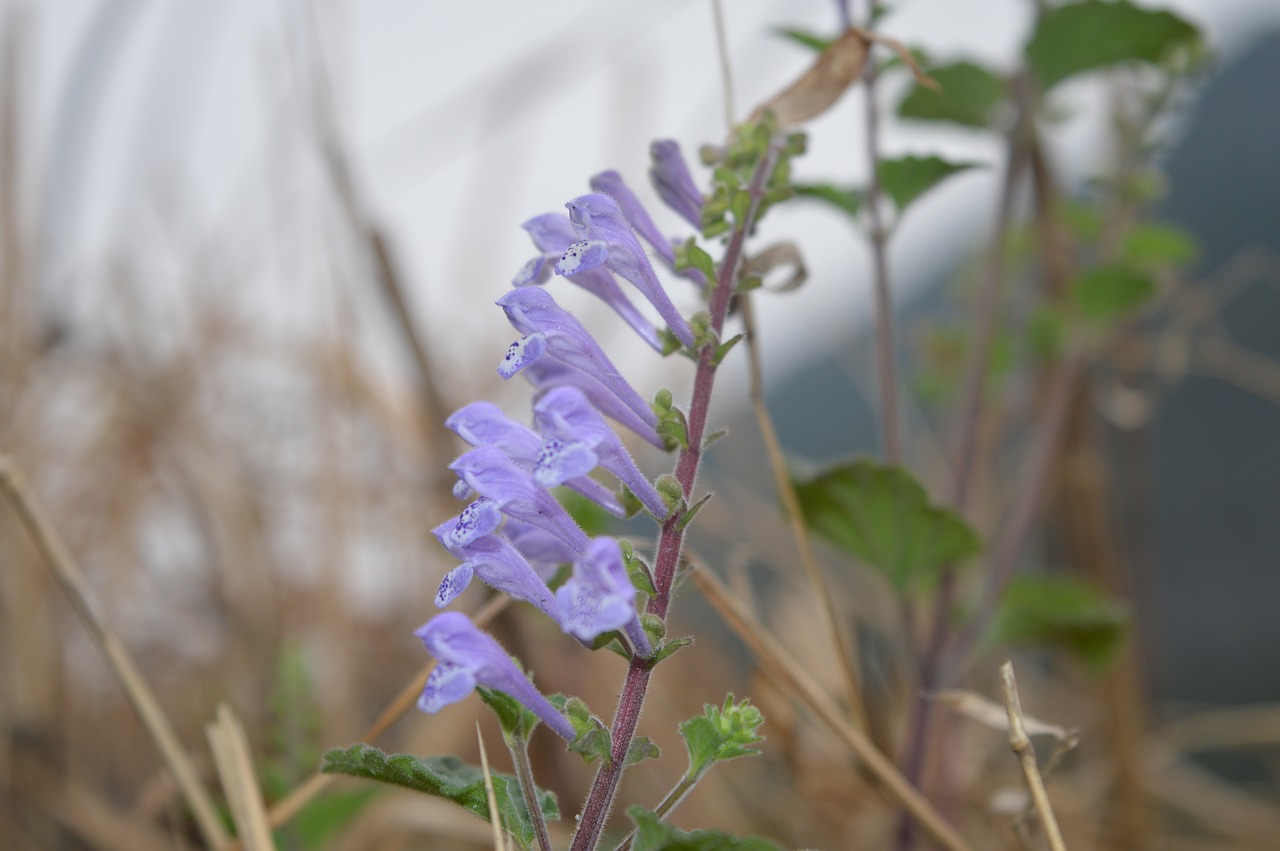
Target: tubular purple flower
x,y
597,219
552,234
544,551
553,333
484,424
599,597
546,374
673,182
491,473
468,658
498,564
577,439
611,183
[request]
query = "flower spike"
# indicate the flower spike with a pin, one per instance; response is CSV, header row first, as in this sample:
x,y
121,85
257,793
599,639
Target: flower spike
x,y
578,438
468,658
599,597
597,219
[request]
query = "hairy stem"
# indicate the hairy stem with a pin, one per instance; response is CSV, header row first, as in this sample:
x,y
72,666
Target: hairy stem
x,y
519,747
670,544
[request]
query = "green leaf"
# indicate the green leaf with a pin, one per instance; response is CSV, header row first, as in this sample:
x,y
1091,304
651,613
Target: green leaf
x,y
1063,613
640,749
1152,245
1092,34
846,201
593,519
969,95
907,178
721,733
320,820
1106,292
804,38
445,777
882,515
592,740
653,834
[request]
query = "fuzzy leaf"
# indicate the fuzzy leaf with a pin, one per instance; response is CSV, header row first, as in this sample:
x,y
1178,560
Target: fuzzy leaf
x,y
1092,34
882,515
907,178
1106,292
969,95
1061,613
653,834
445,777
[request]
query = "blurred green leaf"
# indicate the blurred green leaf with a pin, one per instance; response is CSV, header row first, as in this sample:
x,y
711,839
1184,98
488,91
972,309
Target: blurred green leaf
x,y
1091,34
882,515
907,178
323,817
445,777
804,38
1106,292
653,834
593,519
846,201
1151,245
969,95
1064,613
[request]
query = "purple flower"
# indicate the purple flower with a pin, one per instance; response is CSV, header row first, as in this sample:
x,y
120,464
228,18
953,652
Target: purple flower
x,y
498,564
599,597
552,333
611,183
607,238
674,183
546,374
578,439
552,234
468,658
491,473
484,424
544,551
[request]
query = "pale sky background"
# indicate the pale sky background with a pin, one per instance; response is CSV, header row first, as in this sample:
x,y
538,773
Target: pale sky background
x,y
157,125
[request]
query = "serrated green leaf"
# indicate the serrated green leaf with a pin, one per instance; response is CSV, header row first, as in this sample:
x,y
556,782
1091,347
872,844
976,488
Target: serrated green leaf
x,y
721,733
1061,612
846,201
882,515
1092,34
653,834
1106,292
804,38
907,178
1151,245
445,777
968,94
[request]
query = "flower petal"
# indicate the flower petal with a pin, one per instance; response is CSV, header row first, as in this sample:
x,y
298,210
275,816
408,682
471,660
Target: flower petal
x,y
673,182
522,352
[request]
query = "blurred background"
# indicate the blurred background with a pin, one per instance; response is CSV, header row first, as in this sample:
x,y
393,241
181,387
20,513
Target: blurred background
x,y
249,253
